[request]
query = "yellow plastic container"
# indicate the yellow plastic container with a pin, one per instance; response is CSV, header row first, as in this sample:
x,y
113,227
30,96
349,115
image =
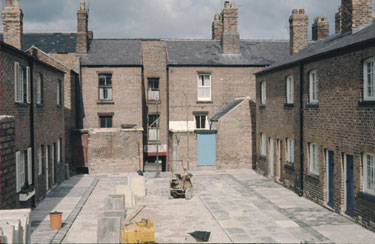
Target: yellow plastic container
x,y
139,232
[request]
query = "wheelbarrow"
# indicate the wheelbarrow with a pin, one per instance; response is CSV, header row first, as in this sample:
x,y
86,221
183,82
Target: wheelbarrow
x,y
181,185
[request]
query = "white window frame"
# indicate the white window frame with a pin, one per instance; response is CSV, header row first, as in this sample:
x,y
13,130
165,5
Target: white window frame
x,y
20,170
204,87
18,83
263,93
29,166
40,160
369,85
263,142
369,184
28,85
314,158
59,93
314,87
59,150
290,90
39,89
290,143
105,91
205,123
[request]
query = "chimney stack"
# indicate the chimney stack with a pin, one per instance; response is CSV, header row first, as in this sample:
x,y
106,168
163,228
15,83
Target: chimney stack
x,y
13,24
217,27
298,23
355,13
320,28
230,39
338,20
82,29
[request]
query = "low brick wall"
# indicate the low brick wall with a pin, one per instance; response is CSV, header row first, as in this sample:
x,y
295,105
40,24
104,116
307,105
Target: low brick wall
x,y
8,195
115,150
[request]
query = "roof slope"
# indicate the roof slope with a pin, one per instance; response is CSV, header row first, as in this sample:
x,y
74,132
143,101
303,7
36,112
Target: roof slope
x,y
113,53
227,108
326,45
51,42
208,52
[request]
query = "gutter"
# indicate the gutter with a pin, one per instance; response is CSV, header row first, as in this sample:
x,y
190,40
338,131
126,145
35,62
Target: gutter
x,y
301,71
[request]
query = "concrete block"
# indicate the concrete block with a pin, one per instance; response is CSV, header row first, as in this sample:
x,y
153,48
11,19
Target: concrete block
x,y
24,215
129,195
7,234
109,230
137,185
114,214
16,234
114,202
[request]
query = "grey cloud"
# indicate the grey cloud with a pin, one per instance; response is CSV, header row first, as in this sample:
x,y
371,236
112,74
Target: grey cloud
x,y
259,19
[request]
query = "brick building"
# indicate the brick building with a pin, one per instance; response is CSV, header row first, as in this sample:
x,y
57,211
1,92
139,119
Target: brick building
x,y
32,137
315,113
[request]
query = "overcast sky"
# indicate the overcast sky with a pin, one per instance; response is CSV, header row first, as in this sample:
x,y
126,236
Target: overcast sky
x,y
258,19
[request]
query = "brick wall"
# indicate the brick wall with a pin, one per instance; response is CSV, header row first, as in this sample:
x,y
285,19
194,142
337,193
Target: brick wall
x,y
8,195
115,150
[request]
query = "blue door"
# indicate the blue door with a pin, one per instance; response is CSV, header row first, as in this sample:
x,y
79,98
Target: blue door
x,y
331,182
206,149
349,186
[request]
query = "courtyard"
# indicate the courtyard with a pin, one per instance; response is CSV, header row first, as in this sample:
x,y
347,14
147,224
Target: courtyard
x,y
235,206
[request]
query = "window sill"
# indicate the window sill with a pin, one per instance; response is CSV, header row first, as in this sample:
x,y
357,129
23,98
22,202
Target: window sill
x,y
289,105
312,176
366,196
205,102
312,105
105,102
366,103
205,131
40,105
21,105
289,167
153,102
25,197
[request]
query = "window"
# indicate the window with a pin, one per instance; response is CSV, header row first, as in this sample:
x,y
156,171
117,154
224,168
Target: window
x,y
29,166
22,86
40,160
39,88
314,87
290,90
369,173
59,93
153,127
59,150
263,95
20,170
204,87
314,161
153,89
105,121
290,151
263,145
105,87
369,82
200,121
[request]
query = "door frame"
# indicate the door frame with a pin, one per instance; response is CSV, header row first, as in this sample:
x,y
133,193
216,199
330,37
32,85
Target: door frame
x,y
346,184
271,158
328,175
47,162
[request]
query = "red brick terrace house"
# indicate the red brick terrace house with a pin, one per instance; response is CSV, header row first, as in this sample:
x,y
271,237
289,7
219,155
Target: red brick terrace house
x,y
316,113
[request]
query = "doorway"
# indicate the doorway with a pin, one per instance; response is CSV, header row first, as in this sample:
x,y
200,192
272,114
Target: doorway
x,y
279,162
349,184
330,178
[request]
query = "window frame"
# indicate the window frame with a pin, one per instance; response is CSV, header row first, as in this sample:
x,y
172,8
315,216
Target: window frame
x,y
290,89
263,144
39,89
20,170
208,87
103,89
198,122
290,150
366,188
59,93
313,154
40,160
105,117
313,87
263,93
366,97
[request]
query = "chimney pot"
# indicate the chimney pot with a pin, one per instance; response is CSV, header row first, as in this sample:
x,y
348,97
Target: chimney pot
x,y
8,3
301,11
226,4
232,5
16,3
83,5
295,11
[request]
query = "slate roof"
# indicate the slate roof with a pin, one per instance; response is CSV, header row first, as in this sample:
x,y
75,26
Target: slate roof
x,y
51,42
113,52
227,108
329,44
208,52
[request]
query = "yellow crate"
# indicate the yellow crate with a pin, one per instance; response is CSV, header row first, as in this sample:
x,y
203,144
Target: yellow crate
x,y
139,232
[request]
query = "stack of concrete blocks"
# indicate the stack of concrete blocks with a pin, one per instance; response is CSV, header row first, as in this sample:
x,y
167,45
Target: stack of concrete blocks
x,y
15,226
109,224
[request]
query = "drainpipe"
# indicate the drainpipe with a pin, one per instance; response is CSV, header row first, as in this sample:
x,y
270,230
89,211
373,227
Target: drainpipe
x,y
32,127
301,71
